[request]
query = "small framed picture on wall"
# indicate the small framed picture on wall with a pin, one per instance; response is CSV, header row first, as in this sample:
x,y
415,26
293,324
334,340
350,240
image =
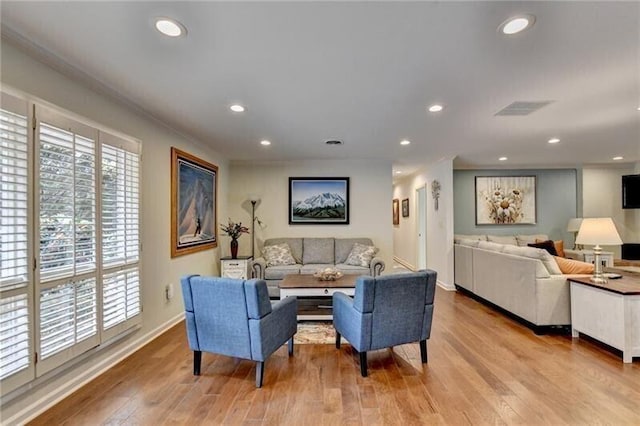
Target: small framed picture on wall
x,y
396,211
405,207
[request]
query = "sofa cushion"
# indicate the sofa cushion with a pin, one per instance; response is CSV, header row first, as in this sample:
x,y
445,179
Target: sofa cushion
x,y
344,246
559,246
487,245
361,255
570,266
278,255
545,245
318,250
352,269
530,252
503,239
279,272
312,268
523,240
295,244
535,253
469,237
469,243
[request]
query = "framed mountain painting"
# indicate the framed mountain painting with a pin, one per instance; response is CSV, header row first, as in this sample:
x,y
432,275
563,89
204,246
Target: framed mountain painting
x,y
193,203
318,200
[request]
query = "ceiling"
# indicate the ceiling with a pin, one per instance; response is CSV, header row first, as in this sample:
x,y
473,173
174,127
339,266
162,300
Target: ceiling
x,y
363,73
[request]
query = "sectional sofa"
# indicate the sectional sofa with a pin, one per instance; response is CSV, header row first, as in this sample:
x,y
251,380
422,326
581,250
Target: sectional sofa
x,y
524,281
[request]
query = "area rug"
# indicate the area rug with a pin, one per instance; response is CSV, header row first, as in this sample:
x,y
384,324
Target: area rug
x,y
315,333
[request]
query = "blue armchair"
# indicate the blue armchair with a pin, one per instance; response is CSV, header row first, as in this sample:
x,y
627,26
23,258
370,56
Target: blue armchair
x,y
235,318
386,311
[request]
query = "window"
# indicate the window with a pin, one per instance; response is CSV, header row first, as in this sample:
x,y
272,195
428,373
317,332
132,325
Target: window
x,y
16,363
83,236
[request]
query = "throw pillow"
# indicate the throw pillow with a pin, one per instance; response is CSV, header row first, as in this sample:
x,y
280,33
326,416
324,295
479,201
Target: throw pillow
x,y
547,245
559,245
570,266
278,255
361,255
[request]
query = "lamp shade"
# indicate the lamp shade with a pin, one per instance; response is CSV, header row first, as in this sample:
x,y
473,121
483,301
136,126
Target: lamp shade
x,y
574,224
598,231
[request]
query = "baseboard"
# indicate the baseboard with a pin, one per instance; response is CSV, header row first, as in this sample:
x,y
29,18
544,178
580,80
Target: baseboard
x,y
36,408
445,286
404,263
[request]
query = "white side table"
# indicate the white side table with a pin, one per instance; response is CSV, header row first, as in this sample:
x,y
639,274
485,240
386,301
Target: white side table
x,y
239,268
587,256
608,312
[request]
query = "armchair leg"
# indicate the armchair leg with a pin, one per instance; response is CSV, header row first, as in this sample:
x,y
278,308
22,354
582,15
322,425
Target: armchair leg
x,y
197,361
337,340
259,373
291,346
363,364
423,351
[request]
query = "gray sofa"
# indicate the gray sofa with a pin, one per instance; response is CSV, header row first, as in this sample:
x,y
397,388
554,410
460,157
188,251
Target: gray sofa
x,y
524,281
312,254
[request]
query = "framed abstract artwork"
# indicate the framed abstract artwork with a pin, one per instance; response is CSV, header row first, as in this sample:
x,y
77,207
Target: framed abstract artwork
x,y
396,211
505,200
193,204
318,200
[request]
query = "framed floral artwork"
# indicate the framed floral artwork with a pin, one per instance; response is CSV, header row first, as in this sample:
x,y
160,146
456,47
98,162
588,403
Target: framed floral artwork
x,y
505,200
193,204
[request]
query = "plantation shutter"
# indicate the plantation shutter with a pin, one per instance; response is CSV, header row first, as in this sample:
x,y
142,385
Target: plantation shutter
x,y
67,239
16,283
120,233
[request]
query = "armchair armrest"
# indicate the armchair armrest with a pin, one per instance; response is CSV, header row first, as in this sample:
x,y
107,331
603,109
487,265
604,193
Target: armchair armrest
x,y
350,323
377,266
272,331
258,266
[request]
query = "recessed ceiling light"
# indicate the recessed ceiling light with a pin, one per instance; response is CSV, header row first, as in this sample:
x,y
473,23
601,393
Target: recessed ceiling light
x,y
237,108
405,142
503,158
517,24
638,108
398,172
618,158
170,27
553,140
265,142
436,108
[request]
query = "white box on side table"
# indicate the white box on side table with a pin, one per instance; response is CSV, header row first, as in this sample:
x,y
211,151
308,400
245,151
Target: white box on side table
x,y
587,256
608,312
239,268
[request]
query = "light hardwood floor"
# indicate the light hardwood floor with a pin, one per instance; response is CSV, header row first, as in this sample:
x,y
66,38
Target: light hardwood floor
x,y
484,368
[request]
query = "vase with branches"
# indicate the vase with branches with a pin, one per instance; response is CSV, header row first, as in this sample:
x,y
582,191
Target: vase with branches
x,y
234,230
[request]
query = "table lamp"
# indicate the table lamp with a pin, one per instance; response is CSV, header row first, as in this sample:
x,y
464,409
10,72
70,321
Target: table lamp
x,y
596,231
574,226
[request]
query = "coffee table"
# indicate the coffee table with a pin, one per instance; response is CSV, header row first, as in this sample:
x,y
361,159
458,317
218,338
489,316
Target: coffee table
x,y
314,296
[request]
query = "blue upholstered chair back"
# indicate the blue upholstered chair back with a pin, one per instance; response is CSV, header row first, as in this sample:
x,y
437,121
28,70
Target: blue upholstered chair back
x,y
223,307
400,307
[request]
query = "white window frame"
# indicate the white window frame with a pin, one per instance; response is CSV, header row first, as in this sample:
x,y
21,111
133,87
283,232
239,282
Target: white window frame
x,y
36,111
22,107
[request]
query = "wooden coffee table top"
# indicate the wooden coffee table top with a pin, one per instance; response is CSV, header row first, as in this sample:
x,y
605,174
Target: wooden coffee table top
x,y
309,281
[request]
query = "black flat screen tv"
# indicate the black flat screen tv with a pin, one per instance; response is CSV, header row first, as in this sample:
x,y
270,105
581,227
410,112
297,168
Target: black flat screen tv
x,y
631,191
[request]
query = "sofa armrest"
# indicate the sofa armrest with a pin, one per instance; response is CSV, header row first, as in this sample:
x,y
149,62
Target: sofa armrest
x,y
258,266
377,266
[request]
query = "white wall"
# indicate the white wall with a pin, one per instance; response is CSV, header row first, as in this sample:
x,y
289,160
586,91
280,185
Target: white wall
x,y
22,72
370,201
602,197
439,222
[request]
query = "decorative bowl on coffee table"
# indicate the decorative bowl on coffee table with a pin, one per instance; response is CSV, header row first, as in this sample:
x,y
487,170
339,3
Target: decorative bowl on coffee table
x,y
328,274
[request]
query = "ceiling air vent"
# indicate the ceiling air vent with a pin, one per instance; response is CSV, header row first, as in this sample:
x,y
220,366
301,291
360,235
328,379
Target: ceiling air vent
x,y
522,108
333,142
